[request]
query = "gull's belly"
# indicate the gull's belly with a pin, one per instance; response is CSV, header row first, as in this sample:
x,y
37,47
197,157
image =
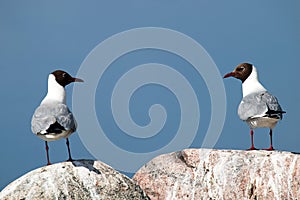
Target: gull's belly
x,y
262,122
55,136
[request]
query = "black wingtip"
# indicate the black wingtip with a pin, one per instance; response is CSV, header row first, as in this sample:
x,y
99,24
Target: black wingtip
x,y
55,128
274,113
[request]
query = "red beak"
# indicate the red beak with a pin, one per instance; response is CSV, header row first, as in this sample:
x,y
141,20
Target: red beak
x,y
229,75
77,80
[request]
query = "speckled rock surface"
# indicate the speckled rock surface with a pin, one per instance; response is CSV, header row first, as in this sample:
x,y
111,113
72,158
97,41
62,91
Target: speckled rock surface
x,y
82,179
222,174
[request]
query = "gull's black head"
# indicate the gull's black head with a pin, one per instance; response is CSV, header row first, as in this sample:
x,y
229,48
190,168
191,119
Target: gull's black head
x,y
63,78
242,71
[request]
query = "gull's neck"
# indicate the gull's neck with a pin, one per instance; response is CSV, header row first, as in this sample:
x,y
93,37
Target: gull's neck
x,y
252,84
56,92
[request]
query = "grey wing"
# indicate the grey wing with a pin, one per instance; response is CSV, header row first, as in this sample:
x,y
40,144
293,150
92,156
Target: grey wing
x,y
41,119
47,114
274,109
259,105
65,117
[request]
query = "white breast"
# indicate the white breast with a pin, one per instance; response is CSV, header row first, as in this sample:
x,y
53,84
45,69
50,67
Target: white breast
x,y
252,84
56,92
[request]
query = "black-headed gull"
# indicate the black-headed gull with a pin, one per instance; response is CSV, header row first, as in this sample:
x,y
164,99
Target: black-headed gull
x,y
258,107
52,120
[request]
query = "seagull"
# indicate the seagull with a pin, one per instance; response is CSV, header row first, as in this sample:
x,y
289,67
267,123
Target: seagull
x,y
52,120
258,107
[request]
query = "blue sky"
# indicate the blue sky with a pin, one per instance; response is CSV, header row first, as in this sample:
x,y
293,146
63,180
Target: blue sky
x,y
38,37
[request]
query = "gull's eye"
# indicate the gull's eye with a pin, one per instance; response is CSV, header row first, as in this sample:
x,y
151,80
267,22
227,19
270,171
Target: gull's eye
x,y
64,75
240,68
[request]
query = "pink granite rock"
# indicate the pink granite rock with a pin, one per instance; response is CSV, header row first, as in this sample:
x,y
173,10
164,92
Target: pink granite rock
x,y
222,174
80,179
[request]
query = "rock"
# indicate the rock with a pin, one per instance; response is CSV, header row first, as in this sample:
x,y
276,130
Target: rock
x,y
222,174
81,179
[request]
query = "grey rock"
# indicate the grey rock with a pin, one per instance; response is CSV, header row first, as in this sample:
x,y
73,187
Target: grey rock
x,y
81,179
221,174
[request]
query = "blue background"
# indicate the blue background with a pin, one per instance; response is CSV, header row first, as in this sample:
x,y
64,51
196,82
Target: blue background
x,y
37,37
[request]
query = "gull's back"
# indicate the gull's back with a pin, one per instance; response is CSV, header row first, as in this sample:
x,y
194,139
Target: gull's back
x,y
257,105
50,113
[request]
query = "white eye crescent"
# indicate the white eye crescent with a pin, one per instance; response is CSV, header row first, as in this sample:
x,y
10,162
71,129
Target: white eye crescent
x,y
241,68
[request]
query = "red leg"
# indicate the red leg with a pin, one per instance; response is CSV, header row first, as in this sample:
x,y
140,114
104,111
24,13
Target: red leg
x,y
252,141
47,153
68,145
271,142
